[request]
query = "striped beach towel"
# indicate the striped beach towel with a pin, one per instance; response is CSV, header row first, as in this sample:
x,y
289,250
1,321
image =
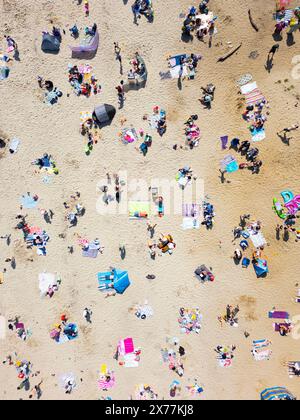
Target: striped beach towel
x,y
261,350
254,97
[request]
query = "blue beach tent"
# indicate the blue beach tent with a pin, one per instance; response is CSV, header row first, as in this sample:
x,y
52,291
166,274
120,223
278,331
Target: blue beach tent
x,y
120,281
261,267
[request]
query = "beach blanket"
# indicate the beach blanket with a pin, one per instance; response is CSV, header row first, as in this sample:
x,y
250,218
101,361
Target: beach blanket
x,y
153,121
28,202
130,361
91,250
261,350
229,164
254,97
258,135
179,71
258,239
225,363
277,326
249,87
46,280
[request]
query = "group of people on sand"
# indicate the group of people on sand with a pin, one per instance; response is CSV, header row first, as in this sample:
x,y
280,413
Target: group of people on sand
x,y
143,8
250,153
199,21
291,23
80,85
74,209
165,245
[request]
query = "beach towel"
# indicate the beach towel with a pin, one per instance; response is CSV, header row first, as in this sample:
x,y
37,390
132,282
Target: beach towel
x,y
28,202
91,251
224,142
249,87
258,239
258,135
279,315
277,326
125,346
176,60
261,350
130,361
225,363
46,280
253,97
229,164
179,71
129,135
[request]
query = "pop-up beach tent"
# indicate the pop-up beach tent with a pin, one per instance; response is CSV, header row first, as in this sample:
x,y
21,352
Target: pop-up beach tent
x,y
104,114
50,43
117,280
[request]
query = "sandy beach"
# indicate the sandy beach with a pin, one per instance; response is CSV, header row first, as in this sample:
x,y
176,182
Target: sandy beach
x,y
56,130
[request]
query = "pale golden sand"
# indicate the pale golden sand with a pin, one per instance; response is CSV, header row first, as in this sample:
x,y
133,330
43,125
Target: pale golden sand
x,y
56,130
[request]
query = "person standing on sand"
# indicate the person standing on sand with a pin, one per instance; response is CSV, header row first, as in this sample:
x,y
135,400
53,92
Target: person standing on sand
x,y
118,56
121,93
273,51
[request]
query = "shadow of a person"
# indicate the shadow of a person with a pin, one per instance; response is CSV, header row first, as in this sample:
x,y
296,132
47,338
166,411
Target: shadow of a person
x,y
284,138
269,64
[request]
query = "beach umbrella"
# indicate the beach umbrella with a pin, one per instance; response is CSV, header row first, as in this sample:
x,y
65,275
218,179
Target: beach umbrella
x,y
104,114
276,393
50,43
